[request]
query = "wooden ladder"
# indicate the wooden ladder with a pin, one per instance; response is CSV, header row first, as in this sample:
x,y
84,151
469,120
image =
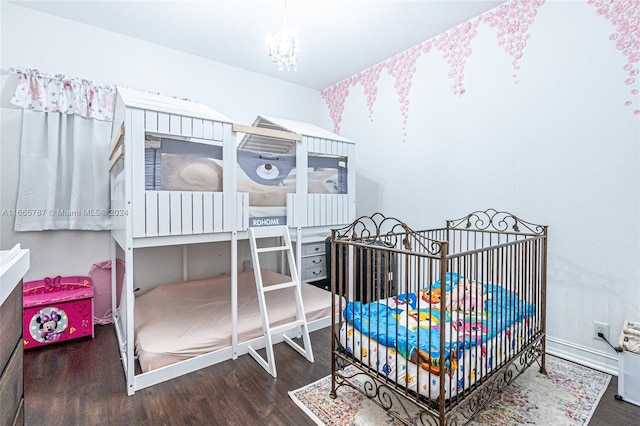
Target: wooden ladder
x,y
282,233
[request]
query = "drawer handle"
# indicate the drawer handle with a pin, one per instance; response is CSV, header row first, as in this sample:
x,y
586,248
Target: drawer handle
x,y
317,272
317,248
316,261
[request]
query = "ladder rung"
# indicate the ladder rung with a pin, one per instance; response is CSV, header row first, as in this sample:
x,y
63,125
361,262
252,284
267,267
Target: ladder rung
x,y
285,327
279,286
275,248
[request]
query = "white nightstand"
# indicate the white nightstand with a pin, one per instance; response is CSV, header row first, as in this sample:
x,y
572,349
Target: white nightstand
x,y
313,262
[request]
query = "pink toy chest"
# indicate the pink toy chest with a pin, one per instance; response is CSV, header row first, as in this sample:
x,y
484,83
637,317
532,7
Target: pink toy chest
x,y
56,309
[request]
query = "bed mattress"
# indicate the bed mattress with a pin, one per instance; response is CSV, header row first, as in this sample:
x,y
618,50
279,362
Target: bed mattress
x,y
175,322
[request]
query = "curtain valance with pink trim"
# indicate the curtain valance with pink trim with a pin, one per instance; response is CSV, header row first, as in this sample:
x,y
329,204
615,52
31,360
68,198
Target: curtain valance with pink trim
x,y
40,91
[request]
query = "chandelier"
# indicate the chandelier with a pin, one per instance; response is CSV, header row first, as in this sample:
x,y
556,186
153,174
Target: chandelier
x,y
284,46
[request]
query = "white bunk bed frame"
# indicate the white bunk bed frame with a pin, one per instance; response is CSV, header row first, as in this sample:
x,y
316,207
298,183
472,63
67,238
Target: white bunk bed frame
x,y
145,218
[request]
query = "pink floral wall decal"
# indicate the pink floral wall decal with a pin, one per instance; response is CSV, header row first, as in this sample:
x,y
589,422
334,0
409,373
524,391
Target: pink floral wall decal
x,y
454,46
335,96
513,20
625,15
402,67
368,79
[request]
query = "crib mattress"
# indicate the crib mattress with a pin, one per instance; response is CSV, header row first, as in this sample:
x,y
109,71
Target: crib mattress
x,y
477,360
175,322
395,335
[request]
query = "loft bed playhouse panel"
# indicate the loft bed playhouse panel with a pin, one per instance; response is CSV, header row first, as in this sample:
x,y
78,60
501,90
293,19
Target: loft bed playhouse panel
x,y
154,179
296,174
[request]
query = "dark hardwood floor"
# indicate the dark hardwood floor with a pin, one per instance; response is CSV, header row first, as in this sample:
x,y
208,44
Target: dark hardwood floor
x,y
81,382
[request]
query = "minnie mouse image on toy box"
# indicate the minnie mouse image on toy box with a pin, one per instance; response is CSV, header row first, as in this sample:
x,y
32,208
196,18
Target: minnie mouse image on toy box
x,y
48,324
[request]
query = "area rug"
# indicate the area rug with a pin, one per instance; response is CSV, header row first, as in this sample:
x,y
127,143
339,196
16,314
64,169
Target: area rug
x,y
567,395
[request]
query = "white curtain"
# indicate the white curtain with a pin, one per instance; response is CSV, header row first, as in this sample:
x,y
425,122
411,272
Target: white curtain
x,y
66,132
64,181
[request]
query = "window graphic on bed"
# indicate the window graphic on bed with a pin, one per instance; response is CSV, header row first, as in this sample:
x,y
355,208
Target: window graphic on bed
x,y
177,165
327,174
268,178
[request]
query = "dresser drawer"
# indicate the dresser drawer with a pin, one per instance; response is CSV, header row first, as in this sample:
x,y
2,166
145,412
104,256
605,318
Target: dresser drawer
x,y
10,325
11,387
313,262
313,248
314,273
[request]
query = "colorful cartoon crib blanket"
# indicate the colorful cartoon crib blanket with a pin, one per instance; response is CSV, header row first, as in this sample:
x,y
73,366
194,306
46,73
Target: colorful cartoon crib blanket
x,y
411,323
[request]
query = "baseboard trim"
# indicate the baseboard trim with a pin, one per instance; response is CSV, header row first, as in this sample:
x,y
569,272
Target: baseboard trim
x,y
583,355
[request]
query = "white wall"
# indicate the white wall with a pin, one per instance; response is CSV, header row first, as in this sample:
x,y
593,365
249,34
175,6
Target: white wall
x,y
558,148
36,40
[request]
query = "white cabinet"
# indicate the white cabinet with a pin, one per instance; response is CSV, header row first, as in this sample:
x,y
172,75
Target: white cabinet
x,y
314,263
312,260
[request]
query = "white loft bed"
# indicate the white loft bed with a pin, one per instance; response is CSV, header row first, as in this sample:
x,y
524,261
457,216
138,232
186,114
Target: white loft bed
x,y
160,200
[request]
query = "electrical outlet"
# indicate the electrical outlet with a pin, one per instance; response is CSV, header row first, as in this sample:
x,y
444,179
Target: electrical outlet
x,y
600,327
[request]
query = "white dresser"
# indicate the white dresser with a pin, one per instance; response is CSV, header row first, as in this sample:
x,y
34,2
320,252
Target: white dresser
x,y
313,261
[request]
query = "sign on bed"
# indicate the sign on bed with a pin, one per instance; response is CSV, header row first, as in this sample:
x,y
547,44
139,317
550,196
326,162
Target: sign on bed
x,y
267,221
